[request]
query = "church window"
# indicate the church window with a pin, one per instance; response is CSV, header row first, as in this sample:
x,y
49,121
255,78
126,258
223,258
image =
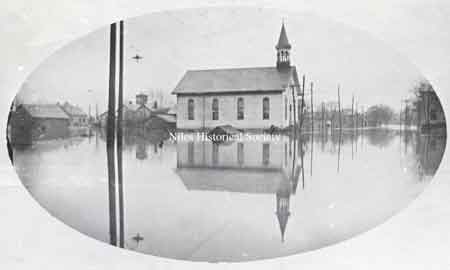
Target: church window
x,y
266,108
190,109
240,108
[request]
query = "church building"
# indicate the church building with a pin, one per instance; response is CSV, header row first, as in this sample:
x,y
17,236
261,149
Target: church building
x,y
245,98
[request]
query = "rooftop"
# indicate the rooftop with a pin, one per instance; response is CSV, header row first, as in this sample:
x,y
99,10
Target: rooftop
x,y
72,110
253,79
45,111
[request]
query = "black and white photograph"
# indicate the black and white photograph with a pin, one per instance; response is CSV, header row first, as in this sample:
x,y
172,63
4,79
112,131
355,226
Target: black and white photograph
x,y
226,134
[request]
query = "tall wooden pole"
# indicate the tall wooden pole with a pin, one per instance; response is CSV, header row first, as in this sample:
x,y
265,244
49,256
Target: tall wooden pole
x,y
339,107
312,109
110,135
120,137
303,102
400,116
353,113
323,116
294,109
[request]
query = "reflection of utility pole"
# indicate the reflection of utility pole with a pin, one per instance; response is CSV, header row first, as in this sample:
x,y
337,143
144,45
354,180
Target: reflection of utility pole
x,y
339,150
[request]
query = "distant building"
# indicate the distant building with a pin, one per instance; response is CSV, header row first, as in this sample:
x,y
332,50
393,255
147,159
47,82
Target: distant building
x,y
38,122
141,99
140,113
77,116
247,98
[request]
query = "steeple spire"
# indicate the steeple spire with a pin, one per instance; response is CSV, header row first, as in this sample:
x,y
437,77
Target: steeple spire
x,y
283,49
283,42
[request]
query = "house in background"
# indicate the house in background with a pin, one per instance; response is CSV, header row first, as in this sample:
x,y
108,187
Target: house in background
x,y
77,116
142,112
38,122
246,98
139,113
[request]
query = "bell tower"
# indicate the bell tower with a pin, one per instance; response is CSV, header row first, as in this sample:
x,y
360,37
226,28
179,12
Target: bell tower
x,y
283,50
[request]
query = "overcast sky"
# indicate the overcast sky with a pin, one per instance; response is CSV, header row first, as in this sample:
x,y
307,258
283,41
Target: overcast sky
x,y
172,42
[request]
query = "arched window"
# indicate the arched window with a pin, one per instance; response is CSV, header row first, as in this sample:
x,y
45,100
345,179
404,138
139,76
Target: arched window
x,y
240,108
215,109
266,108
190,109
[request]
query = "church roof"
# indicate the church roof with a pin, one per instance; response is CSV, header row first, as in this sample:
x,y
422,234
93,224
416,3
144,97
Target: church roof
x,y
283,42
255,79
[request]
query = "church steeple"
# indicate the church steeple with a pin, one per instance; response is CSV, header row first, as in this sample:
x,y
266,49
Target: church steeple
x,y
283,49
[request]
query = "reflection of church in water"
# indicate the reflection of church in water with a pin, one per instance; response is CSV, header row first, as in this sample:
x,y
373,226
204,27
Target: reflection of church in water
x,y
244,167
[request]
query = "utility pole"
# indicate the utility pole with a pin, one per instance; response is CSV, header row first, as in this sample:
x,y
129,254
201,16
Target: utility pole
x,y
110,128
96,111
119,137
323,116
312,109
339,107
294,109
353,113
303,101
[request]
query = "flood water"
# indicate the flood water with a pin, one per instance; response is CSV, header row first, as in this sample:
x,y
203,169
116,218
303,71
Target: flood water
x,y
250,199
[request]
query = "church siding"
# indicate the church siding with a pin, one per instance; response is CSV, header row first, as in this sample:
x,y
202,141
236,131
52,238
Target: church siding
x,y
253,111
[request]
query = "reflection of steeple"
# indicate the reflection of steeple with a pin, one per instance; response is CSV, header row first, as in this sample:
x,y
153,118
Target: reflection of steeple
x,y
283,213
244,167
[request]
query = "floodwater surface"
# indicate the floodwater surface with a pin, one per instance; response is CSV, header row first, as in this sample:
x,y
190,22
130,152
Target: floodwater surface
x,y
242,200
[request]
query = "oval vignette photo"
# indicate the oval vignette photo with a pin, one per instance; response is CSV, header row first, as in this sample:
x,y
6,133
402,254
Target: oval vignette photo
x,y
225,134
